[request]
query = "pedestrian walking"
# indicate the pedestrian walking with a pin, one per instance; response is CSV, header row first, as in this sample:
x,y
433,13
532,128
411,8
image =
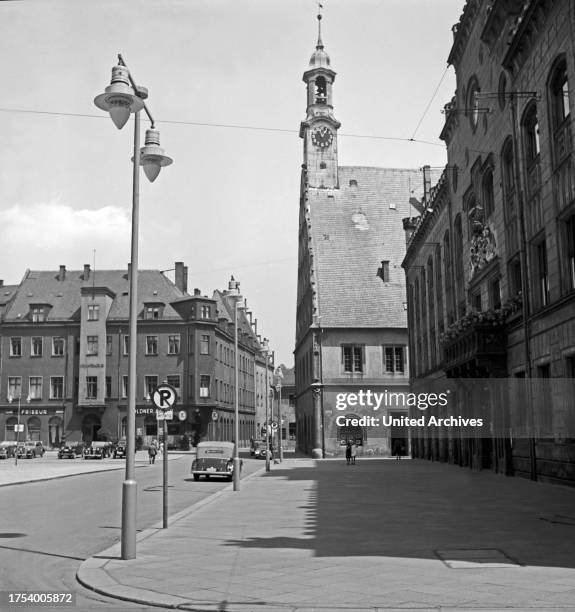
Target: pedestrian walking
x,y
348,453
353,453
152,453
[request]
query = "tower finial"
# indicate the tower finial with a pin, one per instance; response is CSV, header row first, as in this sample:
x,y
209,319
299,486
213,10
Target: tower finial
x,y
319,41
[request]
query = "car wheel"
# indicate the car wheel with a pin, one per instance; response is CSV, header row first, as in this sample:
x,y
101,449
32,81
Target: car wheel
x,y
207,476
196,477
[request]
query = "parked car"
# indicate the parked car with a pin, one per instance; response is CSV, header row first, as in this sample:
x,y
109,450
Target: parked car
x,y
97,450
214,459
120,449
7,449
30,450
69,452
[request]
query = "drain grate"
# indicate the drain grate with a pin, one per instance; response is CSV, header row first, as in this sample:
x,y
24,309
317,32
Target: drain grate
x,y
475,558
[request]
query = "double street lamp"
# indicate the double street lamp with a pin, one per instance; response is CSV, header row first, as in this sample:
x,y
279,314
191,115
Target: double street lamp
x,y
234,289
265,350
121,98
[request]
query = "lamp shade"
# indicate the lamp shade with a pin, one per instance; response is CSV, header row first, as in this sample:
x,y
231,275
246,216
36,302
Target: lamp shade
x,y
152,155
119,99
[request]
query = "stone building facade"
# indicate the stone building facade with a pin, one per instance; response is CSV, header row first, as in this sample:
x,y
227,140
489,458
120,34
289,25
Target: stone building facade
x,y
490,264
64,357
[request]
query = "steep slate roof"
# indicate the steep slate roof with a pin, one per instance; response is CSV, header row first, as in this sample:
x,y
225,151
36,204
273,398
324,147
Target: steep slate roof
x,y
7,293
44,287
353,229
226,308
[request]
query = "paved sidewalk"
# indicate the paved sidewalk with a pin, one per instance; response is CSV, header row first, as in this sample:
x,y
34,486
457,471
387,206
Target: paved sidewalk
x,y
378,535
49,467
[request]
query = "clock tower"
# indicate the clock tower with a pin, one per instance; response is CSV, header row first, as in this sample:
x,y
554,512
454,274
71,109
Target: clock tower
x,y
319,130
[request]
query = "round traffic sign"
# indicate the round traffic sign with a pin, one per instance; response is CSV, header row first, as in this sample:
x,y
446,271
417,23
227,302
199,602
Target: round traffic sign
x,y
182,415
274,425
215,415
164,397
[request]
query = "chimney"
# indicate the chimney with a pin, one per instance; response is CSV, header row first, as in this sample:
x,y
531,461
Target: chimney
x,y
426,183
86,271
256,327
62,273
197,291
181,277
249,313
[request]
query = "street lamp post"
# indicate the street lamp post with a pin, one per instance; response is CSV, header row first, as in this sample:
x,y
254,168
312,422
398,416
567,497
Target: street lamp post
x,y
234,287
279,374
121,98
265,350
10,400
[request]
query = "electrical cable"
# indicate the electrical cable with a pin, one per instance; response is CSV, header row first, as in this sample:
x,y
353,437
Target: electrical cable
x,y
430,102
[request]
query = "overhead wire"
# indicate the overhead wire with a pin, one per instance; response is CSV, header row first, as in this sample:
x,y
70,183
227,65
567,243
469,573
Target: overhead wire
x,y
223,125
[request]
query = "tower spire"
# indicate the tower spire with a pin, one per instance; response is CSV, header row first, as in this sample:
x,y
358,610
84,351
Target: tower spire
x,y
319,45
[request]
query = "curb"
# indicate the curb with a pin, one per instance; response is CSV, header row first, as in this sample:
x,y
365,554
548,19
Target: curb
x,y
92,573
59,476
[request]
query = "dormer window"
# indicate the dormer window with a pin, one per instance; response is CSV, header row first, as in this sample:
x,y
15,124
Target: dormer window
x,y
38,313
153,311
205,312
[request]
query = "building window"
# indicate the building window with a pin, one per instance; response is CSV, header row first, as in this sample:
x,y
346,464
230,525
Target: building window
x,y
204,386
174,344
205,344
559,89
542,275
93,312
35,387
57,346
36,346
514,268
150,384
108,386
108,345
495,294
352,358
476,301
15,347
531,135
91,387
488,196
152,312
383,272
37,314
394,359
205,312
151,345
56,387
174,381
14,387
472,103
569,235
124,386
126,345
92,345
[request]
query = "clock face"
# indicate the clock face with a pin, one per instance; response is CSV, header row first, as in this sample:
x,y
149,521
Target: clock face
x,y
322,137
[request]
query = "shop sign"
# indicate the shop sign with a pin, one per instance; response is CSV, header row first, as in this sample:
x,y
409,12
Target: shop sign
x,y
143,411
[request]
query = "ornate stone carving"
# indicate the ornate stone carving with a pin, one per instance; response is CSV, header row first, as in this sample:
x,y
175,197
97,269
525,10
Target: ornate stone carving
x,y
483,247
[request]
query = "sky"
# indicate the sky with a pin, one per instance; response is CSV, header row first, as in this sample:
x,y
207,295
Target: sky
x,y
226,92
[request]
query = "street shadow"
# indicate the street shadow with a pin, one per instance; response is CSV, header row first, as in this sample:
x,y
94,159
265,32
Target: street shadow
x,y
412,509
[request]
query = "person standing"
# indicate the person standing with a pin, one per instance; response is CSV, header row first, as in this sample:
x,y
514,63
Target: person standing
x,y
348,453
353,452
397,449
152,453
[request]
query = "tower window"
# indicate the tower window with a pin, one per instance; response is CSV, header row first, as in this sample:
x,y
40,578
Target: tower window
x,y
320,91
322,166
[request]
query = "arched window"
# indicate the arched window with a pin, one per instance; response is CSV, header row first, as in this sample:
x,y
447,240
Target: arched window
x,y
439,288
530,125
559,93
459,272
488,196
472,103
507,169
320,90
447,269
34,428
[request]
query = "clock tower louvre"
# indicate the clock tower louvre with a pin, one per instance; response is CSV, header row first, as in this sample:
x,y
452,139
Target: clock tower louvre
x,y
319,130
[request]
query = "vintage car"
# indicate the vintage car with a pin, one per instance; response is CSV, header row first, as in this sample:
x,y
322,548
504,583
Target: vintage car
x,y
7,449
258,449
97,450
214,459
70,451
30,450
120,449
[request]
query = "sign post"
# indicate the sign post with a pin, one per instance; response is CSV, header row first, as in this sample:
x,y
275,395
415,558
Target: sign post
x,y
164,398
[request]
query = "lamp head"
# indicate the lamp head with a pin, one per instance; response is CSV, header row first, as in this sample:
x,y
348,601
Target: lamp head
x,y
119,99
152,155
